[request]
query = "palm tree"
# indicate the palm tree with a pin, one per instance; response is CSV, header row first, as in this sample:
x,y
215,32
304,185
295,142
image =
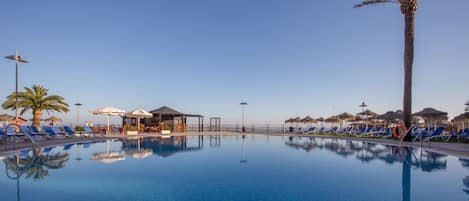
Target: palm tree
x,y
408,9
37,100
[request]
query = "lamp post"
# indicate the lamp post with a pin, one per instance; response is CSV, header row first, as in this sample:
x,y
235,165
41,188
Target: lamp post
x,y
78,112
363,106
467,110
17,58
243,104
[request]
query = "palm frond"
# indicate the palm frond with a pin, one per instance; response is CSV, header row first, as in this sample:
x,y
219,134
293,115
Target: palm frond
x,y
369,2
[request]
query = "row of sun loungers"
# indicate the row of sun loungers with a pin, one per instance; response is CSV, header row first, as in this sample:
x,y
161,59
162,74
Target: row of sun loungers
x,y
424,134
47,132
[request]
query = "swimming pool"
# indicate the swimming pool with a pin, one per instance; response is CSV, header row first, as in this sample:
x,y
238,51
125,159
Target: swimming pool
x,y
233,168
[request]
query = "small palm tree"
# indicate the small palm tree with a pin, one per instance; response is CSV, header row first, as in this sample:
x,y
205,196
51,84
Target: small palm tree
x,y
37,100
408,9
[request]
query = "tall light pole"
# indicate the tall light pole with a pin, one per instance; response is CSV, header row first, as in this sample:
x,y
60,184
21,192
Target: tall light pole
x,y
243,104
17,58
363,106
78,112
467,110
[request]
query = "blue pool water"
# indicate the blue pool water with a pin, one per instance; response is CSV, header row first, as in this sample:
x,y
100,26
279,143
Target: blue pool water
x,y
232,168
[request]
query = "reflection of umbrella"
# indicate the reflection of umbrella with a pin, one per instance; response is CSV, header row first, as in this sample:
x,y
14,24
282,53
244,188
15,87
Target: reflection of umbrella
x,y
138,113
108,111
108,156
139,153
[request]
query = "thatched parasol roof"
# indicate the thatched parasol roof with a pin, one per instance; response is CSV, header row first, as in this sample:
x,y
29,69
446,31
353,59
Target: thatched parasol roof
x,y
346,116
333,119
320,119
367,113
53,119
297,120
391,115
308,119
430,113
6,117
461,117
289,120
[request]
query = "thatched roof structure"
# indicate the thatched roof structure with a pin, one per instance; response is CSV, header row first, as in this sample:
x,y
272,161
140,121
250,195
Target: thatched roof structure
x,y
346,116
308,119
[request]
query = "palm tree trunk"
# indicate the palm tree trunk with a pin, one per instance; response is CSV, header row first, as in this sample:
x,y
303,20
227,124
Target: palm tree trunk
x,y
37,115
409,15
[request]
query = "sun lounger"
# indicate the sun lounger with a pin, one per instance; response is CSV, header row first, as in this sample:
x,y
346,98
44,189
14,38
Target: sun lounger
x,y
463,136
53,131
427,135
28,131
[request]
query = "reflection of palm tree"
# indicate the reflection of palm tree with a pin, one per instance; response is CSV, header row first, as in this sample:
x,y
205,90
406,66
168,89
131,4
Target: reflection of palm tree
x,y
465,181
464,162
36,166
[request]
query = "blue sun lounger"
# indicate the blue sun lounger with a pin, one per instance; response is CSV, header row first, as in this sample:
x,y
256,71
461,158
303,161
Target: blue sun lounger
x,y
426,135
53,131
463,136
69,130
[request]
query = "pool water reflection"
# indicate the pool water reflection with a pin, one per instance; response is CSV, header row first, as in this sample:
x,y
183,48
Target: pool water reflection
x,y
233,168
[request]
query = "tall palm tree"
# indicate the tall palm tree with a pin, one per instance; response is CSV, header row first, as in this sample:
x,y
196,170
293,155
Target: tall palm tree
x,y
36,99
408,9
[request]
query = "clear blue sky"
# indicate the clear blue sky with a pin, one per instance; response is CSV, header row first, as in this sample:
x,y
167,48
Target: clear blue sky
x,y
284,57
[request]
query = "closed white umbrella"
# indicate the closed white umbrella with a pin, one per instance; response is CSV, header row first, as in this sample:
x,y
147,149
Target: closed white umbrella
x,y
108,111
138,113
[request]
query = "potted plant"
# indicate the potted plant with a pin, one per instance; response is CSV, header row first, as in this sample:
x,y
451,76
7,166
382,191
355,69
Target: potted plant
x,y
132,130
165,129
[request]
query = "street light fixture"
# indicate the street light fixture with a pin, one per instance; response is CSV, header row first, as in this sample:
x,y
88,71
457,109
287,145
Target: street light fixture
x,y
363,106
17,58
78,112
243,104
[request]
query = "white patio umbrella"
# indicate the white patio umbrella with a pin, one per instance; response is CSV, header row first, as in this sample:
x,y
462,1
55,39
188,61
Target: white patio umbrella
x,y
138,113
108,111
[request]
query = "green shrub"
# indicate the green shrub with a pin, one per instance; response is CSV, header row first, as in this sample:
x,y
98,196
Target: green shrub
x,y
132,128
79,128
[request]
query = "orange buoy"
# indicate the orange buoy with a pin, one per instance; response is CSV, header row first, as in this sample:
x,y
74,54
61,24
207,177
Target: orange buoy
x,y
399,131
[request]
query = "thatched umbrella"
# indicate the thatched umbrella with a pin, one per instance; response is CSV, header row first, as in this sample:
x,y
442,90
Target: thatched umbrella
x,y
332,119
390,116
4,118
346,116
308,119
296,120
431,114
366,115
53,119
